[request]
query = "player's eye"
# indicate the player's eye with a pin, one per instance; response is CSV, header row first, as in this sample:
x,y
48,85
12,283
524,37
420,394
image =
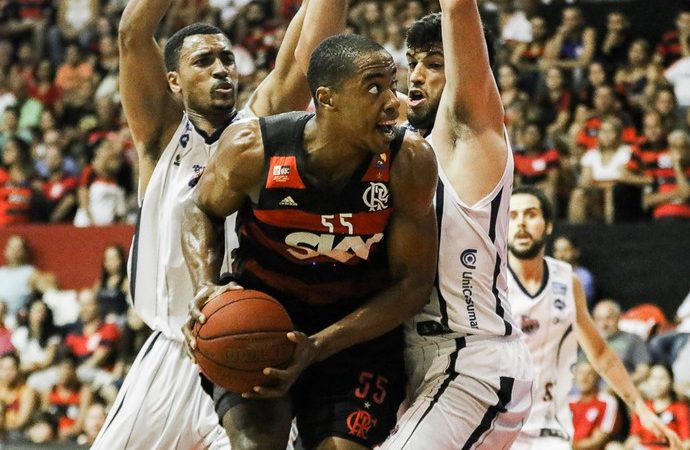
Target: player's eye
x,y
374,89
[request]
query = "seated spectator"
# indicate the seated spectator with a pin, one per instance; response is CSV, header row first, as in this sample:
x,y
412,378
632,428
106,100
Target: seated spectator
x,y
29,108
93,422
675,44
614,47
5,333
10,128
37,344
75,25
17,400
112,288
555,104
595,413
101,199
633,79
527,56
672,350
605,106
536,164
43,429
16,276
661,401
68,400
669,192
21,200
43,87
508,84
92,341
629,347
663,101
566,249
678,76
59,188
601,168
573,45
596,77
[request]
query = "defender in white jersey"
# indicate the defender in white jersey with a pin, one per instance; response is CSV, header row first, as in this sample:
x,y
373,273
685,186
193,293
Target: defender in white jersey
x,y
470,374
177,107
550,305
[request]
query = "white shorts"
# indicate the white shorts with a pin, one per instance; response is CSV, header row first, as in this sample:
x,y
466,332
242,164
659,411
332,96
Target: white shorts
x,y
161,405
468,393
527,442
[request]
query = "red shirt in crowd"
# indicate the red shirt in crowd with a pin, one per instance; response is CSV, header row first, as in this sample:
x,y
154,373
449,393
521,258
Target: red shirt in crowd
x,y
669,47
676,417
64,403
83,346
589,134
535,168
600,412
655,161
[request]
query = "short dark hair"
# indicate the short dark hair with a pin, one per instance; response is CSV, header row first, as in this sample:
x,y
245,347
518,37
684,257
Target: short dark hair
x,y
427,31
174,44
544,202
335,59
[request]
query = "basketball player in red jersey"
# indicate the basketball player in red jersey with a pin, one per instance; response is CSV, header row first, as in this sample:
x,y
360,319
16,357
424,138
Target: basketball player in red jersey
x,y
336,221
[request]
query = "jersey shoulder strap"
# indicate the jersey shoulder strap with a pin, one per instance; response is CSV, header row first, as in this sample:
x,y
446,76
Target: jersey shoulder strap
x,y
281,133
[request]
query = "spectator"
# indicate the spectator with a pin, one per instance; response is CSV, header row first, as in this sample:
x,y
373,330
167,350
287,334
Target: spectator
x,y
60,188
672,350
614,48
16,276
101,200
604,106
669,192
678,75
508,84
595,413
675,43
112,288
43,87
5,333
68,400
10,128
629,347
29,108
515,27
37,345
663,101
596,77
93,422
555,104
662,401
17,400
527,56
536,164
21,201
75,25
636,75
43,429
601,169
566,249
573,45
92,341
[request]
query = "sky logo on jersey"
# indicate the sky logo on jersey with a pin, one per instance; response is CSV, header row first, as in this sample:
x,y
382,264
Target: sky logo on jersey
x,y
310,245
376,196
468,258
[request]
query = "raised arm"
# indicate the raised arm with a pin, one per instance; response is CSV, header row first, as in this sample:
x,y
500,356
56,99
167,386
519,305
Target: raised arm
x,y
151,111
285,88
468,133
611,368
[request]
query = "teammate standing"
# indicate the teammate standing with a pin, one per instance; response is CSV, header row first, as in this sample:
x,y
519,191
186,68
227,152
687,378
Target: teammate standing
x,y
336,221
177,106
552,308
470,373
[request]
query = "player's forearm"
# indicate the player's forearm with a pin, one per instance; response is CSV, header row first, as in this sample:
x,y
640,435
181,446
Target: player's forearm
x,y
655,199
141,18
595,442
611,368
378,316
202,245
323,19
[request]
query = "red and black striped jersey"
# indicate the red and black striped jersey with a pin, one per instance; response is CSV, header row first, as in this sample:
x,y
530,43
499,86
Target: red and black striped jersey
x,y
535,168
588,136
309,243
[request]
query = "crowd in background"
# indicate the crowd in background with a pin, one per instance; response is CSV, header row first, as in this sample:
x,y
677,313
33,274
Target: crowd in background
x,y
598,118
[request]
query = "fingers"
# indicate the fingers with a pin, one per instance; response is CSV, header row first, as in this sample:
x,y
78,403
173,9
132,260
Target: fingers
x,y
189,341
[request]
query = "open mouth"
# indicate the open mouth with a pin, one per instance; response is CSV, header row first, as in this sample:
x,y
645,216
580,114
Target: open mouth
x,y
415,97
387,129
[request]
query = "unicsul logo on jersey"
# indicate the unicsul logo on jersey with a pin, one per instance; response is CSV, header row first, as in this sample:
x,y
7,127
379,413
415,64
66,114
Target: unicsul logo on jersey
x,y
468,258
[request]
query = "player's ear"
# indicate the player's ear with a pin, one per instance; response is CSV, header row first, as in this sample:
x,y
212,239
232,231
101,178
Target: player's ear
x,y
174,82
549,229
324,97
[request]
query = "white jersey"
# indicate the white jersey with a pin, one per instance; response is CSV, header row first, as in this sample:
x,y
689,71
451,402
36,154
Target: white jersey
x,y
161,284
470,292
547,320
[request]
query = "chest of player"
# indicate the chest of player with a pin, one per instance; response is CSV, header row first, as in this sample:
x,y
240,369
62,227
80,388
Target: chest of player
x,y
313,219
547,316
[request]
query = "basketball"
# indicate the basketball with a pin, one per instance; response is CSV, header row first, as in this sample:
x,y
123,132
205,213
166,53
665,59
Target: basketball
x,y
245,332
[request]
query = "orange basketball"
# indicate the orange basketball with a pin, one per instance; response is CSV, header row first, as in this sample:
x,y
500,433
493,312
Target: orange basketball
x,y
245,332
